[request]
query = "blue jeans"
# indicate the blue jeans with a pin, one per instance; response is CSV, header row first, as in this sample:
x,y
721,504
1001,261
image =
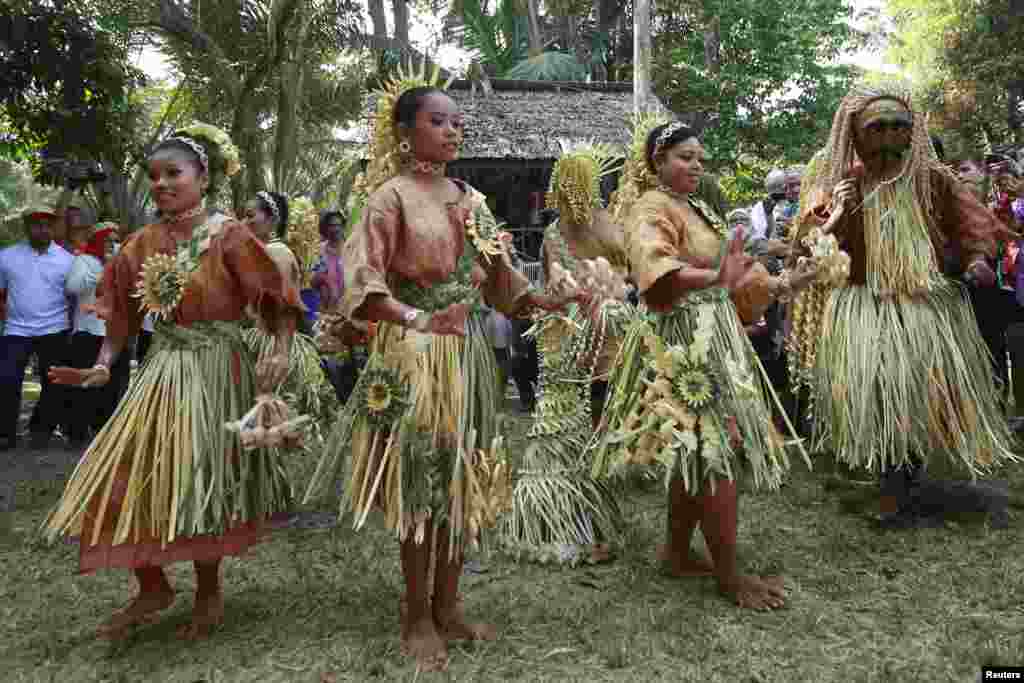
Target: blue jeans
x,y
52,409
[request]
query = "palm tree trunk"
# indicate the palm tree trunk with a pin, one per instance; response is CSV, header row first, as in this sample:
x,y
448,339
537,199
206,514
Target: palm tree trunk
x,y
533,28
401,11
380,24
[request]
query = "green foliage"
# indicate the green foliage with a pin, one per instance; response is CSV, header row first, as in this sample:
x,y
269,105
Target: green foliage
x,y
65,85
967,61
548,66
501,39
744,183
761,71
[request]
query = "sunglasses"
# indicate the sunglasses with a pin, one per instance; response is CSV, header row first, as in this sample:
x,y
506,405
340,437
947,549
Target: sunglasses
x,y
880,126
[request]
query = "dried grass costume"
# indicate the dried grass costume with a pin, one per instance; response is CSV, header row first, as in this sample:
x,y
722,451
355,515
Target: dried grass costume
x,y
164,481
686,374
420,435
895,363
305,386
559,511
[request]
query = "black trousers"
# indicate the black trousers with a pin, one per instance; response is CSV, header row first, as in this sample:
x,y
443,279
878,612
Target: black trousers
x,y
142,345
51,410
91,408
343,376
995,310
526,371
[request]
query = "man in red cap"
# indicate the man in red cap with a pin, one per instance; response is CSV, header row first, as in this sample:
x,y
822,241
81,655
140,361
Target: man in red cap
x,y
32,276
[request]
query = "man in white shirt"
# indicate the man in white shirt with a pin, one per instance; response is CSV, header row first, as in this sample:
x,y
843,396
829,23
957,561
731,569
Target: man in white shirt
x,y
500,333
33,274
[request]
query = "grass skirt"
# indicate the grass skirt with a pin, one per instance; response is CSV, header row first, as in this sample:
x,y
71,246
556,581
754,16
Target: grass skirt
x,y
420,433
163,481
560,512
305,387
654,417
898,377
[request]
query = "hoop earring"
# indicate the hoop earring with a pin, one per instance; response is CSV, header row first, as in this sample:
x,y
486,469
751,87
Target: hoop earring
x,y
404,147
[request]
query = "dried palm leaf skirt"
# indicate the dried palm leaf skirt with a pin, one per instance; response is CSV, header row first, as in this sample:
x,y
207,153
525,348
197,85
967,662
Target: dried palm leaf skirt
x,y
163,481
420,433
559,510
305,386
896,377
652,420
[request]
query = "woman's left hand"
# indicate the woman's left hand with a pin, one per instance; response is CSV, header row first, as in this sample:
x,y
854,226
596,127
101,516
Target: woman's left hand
x,y
270,372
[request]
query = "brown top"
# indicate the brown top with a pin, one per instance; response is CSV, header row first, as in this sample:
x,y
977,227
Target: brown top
x,y
604,237
233,273
958,220
286,262
663,237
407,233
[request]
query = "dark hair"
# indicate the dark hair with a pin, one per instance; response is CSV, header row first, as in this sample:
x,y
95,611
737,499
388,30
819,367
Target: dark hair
x,y
216,164
409,103
679,135
282,206
940,149
325,216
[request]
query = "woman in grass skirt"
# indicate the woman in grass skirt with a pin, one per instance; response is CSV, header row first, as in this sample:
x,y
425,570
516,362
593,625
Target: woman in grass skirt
x,y
420,435
688,392
164,481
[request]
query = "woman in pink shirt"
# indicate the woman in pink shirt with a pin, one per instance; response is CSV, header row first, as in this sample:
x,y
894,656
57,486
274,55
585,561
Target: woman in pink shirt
x,y
329,273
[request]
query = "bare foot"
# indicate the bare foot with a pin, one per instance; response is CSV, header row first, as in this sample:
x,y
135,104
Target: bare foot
x,y
207,615
686,567
423,643
753,592
139,611
453,625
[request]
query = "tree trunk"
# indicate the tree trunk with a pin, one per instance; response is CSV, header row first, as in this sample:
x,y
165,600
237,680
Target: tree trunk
x,y
712,45
533,28
609,16
293,80
380,24
641,55
401,10
1014,114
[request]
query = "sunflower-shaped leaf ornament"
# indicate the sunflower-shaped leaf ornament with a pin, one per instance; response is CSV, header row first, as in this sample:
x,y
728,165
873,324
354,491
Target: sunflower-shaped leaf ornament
x,y
696,387
161,285
382,397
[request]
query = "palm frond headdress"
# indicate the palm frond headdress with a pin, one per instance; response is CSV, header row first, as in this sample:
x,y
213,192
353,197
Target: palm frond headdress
x,y
832,163
636,177
383,154
575,187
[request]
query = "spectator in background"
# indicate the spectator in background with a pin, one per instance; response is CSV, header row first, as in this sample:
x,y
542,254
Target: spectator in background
x,y
71,219
329,273
501,334
738,219
91,408
33,274
762,221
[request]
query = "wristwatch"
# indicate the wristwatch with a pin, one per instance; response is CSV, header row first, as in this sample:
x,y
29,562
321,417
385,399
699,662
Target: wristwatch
x,y
416,319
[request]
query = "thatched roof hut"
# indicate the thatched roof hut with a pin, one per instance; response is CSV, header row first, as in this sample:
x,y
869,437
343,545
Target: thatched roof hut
x,y
525,120
513,137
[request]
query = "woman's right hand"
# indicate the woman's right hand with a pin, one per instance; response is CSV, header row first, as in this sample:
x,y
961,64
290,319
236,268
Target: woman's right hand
x,y
91,378
450,321
735,263
845,193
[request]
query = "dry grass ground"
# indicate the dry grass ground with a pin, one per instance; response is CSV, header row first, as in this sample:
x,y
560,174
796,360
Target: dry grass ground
x,y
322,605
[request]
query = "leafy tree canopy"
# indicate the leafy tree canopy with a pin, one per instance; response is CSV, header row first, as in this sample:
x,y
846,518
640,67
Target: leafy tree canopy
x,y
758,75
65,81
